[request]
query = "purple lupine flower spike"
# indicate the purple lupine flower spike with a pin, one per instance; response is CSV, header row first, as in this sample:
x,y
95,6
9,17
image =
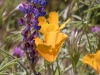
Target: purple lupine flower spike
x,y
30,23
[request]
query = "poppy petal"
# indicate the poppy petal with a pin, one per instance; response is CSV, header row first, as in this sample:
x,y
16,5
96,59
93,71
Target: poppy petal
x,y
90,60
97,56
43,24
59,45
42,21
38,41
53,19
60,36
44,50
51,28
64,24
50,38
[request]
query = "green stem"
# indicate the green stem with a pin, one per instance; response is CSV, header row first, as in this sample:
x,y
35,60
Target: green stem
x,y
58,67
49,69
74,69
72,62
52,69
17,61
73,65
83,70
84,26
80,11
89,43
80,38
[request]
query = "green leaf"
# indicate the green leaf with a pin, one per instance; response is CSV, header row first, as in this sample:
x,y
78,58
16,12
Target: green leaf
x,y
77,17
20,73
76,58
2,73
91,9
88,16
69,67
98,14
3,62
41,68
9,64
16,32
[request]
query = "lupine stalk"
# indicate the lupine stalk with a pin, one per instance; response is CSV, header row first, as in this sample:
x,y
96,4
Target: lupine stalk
x,y
31,29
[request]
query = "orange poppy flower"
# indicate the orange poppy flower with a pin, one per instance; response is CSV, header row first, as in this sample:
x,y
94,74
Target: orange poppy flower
x,y
53,38
93,60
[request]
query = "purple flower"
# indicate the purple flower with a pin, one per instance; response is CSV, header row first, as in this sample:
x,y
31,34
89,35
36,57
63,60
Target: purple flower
x,y
21,8
18,52
21,21
96,29
30,22
33,36
41,2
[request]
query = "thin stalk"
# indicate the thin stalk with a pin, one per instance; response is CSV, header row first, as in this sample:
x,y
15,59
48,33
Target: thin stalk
x,y
13,68
32,65
52,69
84,26
80,11
83,70
33,68
58,67
73,65
49,69
89,43
74,68
81,37
17,60
72,62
